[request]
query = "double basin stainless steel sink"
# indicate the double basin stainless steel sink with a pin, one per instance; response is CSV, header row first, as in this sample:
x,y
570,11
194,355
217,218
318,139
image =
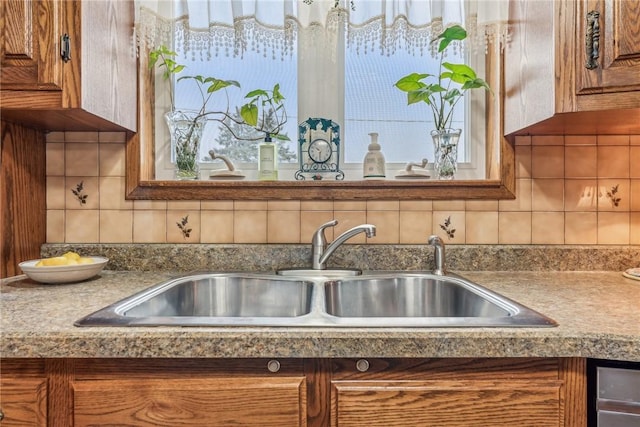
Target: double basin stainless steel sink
x,y
419,299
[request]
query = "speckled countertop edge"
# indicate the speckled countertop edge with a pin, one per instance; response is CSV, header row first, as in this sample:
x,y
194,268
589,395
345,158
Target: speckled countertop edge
x,y
598,315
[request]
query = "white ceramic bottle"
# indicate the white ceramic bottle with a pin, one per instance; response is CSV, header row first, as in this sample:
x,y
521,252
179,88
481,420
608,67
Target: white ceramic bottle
x,y
373,164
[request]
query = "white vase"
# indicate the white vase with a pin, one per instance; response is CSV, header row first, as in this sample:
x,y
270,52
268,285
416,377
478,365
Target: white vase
x,y
445,148
185,128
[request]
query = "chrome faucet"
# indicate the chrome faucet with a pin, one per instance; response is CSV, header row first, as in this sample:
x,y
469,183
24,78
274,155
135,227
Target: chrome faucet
x,y
438,255
319,250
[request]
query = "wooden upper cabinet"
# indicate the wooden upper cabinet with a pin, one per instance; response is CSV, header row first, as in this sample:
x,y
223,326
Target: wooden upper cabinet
x,y
550,85
610,58
94,89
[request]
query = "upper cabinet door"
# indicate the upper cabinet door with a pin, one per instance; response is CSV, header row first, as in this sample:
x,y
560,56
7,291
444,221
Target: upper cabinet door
x,y
609,60
93,88
29,51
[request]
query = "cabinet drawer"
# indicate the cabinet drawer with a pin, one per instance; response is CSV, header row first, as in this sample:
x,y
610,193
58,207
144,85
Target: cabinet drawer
x,y
248,401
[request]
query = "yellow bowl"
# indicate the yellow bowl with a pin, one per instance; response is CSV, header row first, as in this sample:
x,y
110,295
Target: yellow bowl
x,y
63,273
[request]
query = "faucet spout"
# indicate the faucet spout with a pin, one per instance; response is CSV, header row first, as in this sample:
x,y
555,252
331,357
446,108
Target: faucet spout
x,y
321,252
438,255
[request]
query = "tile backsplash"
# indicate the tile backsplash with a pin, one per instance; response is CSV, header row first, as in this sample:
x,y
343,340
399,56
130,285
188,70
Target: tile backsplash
x,y
577,190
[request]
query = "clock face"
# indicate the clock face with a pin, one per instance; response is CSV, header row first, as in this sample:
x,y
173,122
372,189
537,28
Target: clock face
x,y
319,150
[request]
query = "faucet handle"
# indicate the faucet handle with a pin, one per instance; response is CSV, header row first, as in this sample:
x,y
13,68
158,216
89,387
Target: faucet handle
x,y
318,236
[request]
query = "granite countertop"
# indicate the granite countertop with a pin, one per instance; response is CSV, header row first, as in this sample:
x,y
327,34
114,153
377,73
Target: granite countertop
x,y
598,315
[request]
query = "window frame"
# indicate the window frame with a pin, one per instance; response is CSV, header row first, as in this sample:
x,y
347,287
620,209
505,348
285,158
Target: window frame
x,y
499,165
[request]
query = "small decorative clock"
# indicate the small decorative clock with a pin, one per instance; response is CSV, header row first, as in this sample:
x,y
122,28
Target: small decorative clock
x,y
319,149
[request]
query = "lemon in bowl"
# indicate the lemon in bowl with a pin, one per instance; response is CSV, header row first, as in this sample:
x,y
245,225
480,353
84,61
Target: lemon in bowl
x,y
67,268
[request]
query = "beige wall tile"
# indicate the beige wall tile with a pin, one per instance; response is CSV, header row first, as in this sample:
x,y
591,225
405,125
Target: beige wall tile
x,y
112,137
415,226
482,227
216,205
112,190
456,228
112,160
581,228
383,205
283,226
580,195
547,195
581,162
56,192
580,140
150,226
634,234
613,162
283,205
547,228
81,159
634,139
347,220
523,161
634,162
150,204
316,205
387,226
514,228
448,205
250,205
54,137
547,140
55,226
81,137
183,226
416,205
481,205
613,228
185,205
547,162
349,205
613,139
116,226
250,226
216,226
311,220
85,188
634,204
613,195
82,226
55,159
522,202
523,140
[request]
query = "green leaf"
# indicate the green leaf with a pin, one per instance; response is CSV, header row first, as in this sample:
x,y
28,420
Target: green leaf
x,y
450,34
256,93
411,82
249,113
460,69
476,84
281,137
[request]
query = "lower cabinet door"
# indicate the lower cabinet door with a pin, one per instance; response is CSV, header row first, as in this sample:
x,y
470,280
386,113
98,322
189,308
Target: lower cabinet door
x,y
23,402
247,401
446,403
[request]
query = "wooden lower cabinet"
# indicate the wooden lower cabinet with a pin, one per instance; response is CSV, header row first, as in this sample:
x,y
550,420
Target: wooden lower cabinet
x,y
295,392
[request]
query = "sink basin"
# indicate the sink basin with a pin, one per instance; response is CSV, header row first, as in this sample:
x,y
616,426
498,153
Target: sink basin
x,y
413,296
210,299
423,300
371,300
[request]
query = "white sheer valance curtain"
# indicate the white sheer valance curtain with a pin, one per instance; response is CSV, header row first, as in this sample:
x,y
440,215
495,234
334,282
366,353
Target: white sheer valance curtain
x,y
231,27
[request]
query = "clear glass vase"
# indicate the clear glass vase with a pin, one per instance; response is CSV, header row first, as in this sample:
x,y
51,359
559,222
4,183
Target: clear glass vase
x,y
445,148
185,128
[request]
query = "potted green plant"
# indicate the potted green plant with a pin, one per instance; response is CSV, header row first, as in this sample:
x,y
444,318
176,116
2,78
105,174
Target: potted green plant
x,y
186,127
442,92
